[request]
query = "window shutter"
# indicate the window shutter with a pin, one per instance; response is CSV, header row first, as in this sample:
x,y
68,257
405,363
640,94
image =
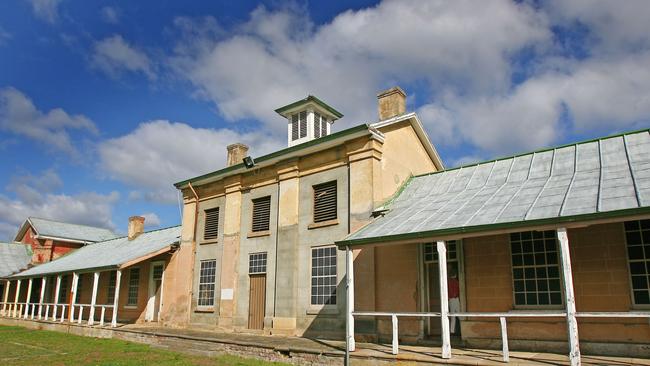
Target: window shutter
x,y
317,125
261,213
211,224
294,127
303,124
323,127
325,202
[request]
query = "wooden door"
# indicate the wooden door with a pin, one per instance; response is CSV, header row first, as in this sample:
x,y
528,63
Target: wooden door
x,y
257,301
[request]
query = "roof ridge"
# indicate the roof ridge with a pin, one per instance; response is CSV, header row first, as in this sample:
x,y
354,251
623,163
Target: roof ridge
x,y
145,232
69,223
537,151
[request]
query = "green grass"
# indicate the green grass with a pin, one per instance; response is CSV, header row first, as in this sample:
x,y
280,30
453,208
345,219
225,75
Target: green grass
x,y
21,346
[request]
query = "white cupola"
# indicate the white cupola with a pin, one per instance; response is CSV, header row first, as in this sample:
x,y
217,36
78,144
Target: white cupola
x,y
308,119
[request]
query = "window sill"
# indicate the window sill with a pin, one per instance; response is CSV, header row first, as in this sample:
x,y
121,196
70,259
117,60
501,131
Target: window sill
x,y
318,225
213,241
204,310
323,310
258,234
130,307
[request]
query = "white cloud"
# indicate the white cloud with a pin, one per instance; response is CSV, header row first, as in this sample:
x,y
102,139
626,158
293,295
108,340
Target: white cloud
x,y
160,153
598,95
35,198
47,10
114,56
19,116
110,14
278,57
612,25
151,220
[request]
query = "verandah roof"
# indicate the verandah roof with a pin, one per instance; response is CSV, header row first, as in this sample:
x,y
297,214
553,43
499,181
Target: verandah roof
x,y
593,179
14,257
108,254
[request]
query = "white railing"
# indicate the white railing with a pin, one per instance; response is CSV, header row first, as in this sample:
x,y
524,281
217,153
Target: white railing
x,y
502,319
53,312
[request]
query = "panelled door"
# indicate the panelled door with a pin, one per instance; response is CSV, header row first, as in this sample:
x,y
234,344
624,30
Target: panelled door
x,y
432,279
257,301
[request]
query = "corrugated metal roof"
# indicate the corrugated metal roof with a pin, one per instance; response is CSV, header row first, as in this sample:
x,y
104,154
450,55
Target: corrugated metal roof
x,y
108,254
14,257
64,230
598,176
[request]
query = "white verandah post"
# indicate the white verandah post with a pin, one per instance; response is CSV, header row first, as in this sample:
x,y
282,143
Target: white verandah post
x,y
57,289
93,301
5,298
73,291
570,301
444,299
29,295
116,298
349,303
16,297
42,297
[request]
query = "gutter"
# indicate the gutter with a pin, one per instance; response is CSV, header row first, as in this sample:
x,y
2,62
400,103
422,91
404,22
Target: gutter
x,y
440,233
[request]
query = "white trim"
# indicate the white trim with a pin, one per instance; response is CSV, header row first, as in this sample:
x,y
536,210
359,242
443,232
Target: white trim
x,y
151,301
116,298
419,130
567,276
444,300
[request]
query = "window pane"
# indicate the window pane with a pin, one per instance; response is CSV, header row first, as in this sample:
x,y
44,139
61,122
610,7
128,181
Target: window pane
x,y
534,259
257,263
637,235
134,286
323,289
207,276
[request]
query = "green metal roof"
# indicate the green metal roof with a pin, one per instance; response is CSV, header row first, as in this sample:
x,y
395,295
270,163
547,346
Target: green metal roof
x,y
64,230
602,178
278,153
309,98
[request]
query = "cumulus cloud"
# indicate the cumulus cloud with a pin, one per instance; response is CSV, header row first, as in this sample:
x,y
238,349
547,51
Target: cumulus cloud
x,y
46,10
160,153
19,115
280,56
114,56
151,220
597,95
110,14
40,196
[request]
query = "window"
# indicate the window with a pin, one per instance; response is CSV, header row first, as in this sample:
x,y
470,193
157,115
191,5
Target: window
x,y
637,235
63,290
211,230
535,269
257,263
431,252
112,278
261,214
207,277
299,125
325,202
323,276
134,286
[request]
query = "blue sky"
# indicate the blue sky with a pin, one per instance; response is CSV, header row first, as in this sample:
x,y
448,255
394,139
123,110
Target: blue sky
x,y
104,104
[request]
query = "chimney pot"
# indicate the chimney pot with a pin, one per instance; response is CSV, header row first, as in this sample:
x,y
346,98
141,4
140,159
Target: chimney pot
x,y
136,226
392,102
236,153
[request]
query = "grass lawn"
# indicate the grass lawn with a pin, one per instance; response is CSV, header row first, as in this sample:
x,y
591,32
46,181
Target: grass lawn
x,y
21,346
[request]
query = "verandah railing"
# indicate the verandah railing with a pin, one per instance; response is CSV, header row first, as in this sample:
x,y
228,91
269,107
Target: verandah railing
x,y
502,316
56,312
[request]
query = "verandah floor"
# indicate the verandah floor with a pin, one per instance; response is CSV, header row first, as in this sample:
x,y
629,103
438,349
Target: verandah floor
x,y
368,353
311,351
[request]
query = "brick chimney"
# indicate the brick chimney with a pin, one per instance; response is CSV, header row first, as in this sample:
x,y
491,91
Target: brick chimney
x,y
392,102
136,226
236,153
